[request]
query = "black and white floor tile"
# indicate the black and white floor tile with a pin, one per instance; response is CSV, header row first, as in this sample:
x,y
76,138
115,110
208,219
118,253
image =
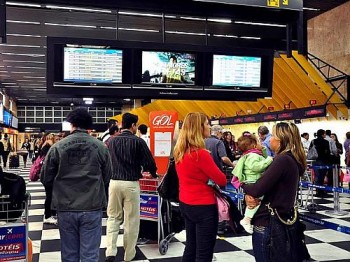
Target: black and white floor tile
x,y
323,244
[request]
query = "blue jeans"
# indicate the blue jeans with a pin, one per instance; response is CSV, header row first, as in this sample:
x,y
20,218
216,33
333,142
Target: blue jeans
x,y
201,229
261,241
80,235
277,242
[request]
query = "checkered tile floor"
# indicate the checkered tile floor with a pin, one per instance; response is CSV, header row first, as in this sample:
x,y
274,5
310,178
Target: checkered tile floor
x,y
323,244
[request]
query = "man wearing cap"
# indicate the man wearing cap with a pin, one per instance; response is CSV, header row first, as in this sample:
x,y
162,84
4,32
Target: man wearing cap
x,y
217,148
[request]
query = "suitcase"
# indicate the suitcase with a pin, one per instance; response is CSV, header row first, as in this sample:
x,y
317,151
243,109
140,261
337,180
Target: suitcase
x,y
14,161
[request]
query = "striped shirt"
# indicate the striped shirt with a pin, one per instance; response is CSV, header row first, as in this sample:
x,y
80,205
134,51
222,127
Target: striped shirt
x,y
130,156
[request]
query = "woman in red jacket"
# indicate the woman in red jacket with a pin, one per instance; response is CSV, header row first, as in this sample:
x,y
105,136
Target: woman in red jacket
x,y
195,166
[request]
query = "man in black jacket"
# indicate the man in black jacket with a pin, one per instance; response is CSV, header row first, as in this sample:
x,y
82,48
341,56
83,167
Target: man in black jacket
x,y
130,156
78,168
323,160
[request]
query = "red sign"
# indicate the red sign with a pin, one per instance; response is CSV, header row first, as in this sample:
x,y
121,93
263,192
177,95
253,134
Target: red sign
x,y
270,117
270,108
162,125
315,112
313,102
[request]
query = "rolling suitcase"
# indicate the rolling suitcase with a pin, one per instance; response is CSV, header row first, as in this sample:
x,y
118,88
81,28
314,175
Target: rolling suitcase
x,y
14,161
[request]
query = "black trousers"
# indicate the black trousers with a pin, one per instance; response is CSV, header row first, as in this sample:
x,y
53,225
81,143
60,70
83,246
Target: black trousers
x,y
201,227
48,211
5,156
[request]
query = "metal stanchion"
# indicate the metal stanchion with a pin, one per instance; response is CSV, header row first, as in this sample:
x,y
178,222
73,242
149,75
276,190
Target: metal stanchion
x,y
336,210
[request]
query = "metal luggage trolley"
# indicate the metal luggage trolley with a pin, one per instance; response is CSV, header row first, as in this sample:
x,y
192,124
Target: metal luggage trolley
x,y
151,210
307,204
13,230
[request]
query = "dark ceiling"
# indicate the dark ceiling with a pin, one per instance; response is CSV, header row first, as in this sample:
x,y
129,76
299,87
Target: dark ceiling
x,y
23,57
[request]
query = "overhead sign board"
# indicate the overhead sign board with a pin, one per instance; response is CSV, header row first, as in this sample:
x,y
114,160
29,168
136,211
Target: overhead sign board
x,y
279,4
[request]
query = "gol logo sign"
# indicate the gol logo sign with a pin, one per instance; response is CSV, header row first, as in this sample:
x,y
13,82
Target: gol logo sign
x,y
162,120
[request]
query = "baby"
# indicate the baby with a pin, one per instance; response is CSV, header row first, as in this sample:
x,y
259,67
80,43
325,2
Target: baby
x,y
249,169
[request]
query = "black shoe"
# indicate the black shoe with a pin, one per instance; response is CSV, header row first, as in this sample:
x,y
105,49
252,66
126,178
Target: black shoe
x,y
110,259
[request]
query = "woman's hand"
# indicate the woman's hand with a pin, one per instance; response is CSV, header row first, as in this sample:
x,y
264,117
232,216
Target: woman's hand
x,y
251,201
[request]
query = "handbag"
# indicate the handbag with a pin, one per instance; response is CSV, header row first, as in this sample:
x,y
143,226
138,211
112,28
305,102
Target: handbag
x,y
34,173
168,188
346,177
312,153
287,239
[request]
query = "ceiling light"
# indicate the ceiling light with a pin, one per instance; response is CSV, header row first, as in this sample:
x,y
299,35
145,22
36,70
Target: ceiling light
x,y
42,77
22,35
139,30
11,45
33,62
28,67
19,72
184,33
22,4
251,37
32,55
192,18
220,20
23,22
127,99
78,9
9,83
259,24
311,9
88,99
71,25
228,36
39,89
139,14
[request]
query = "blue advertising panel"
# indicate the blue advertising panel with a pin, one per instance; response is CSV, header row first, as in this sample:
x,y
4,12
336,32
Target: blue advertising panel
x,y
7,118
149,206
13,245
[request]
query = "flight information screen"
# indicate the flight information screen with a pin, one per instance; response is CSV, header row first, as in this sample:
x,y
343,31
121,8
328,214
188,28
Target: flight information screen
x,y
238,71
91,65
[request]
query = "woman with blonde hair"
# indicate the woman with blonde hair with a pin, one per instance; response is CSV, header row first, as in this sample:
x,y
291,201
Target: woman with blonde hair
x,y
279,185
195,166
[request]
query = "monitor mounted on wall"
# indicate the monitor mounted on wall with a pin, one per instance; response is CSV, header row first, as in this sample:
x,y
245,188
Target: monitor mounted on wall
x,y
168,68
92,65
237,71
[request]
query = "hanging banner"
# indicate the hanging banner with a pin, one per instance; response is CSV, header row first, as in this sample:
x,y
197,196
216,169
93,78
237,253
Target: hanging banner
x,y
162,126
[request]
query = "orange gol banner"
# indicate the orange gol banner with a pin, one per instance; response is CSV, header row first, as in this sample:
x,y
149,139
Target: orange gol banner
x,y
162,126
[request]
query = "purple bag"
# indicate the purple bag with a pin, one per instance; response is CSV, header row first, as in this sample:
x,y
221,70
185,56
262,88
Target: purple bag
x,y
34,173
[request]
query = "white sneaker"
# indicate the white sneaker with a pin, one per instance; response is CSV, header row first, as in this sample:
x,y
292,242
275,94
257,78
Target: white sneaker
x,y
247,227
50,220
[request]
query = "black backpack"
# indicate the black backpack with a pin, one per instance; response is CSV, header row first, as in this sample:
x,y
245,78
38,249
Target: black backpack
x,y
13,186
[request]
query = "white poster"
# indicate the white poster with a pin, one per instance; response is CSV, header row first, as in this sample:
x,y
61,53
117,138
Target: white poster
x,y
162,144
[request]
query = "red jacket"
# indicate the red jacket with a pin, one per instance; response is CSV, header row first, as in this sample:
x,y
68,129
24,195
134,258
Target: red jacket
x,y
194,171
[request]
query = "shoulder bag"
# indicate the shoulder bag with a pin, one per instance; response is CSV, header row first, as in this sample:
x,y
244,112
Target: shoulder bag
x,y
312,152
169,186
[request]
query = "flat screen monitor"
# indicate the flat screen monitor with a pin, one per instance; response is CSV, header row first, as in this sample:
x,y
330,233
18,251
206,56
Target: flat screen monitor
x,y
168,68
14,122
237,71
92,65
7,118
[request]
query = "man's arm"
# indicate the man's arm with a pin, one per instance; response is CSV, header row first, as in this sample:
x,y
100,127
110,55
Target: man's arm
x,y
50,167
227,161
148,162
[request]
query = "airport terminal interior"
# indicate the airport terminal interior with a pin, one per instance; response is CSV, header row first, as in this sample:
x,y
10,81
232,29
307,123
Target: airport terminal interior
x,y
244,63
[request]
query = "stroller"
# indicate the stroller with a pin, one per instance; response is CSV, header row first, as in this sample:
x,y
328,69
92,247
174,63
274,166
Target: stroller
x,y
172,223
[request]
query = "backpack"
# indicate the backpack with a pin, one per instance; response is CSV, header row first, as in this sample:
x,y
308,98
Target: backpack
x,y
35,169
13,186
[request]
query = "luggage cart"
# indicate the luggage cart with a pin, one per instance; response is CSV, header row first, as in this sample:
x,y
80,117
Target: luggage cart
x,y
154,208
165,213
14,230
